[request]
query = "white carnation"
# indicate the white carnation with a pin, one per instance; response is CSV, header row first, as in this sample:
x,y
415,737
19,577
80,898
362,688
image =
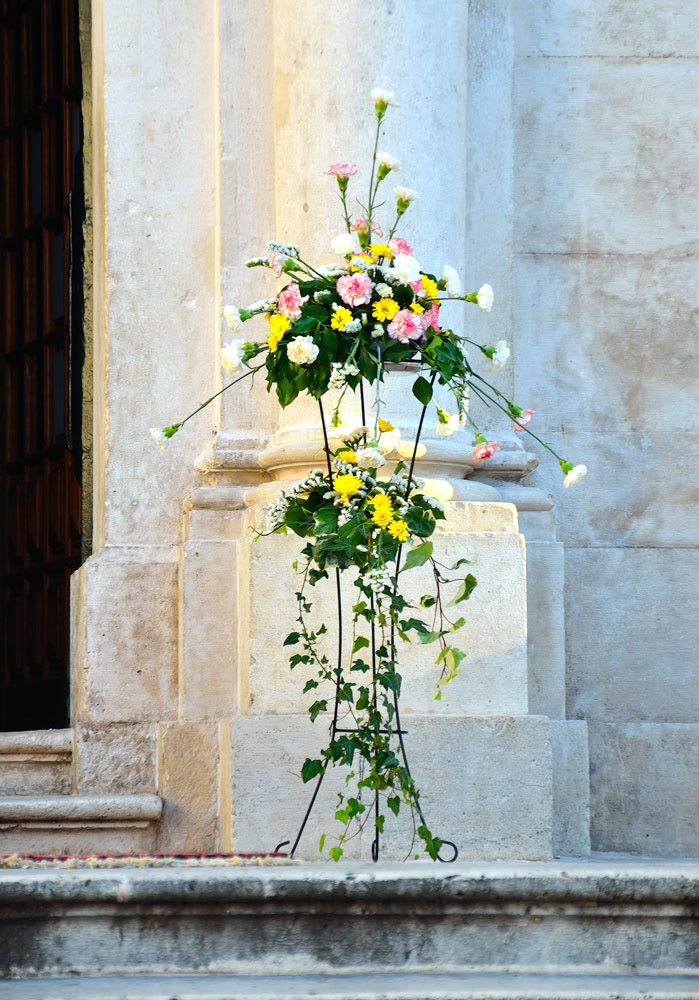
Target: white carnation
x,y
501,355
370,458
575,475
405,194
302,351
385,96
485,297
232,358
446,428
452,281
386,160
160,439
343,244
405,269
232,318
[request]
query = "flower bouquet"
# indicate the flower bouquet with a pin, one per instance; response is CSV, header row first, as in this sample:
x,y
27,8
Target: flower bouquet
x,y
342,327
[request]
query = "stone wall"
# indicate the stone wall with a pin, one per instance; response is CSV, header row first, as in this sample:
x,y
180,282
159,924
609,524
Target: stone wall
x,y
605,307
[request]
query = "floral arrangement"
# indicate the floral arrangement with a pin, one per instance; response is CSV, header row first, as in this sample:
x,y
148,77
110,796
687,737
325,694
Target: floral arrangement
x,y
339,327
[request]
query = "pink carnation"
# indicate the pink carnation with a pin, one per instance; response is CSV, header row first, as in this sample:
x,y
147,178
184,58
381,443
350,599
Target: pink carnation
x,y
362,226
399,245
523,419
291,300
277,262
431,318
483,451
405,326
355,289
342,169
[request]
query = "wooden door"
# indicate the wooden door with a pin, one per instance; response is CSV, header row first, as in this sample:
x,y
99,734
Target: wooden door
x,y
41,350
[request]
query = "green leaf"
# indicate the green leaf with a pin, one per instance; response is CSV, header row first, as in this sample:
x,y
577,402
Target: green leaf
x,y
393,804
380,820
465,590
335,853
321,844
292,638
420,521
360,643
418,555
316,708
437,696
422,390
428,601
310,769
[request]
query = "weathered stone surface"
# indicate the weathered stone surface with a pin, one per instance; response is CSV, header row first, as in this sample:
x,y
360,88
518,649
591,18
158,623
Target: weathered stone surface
x,y
464,767
111,757
208,677
126,668
632,631
188,769
644,797
573,107
545,629
494,678
36,762
571,788
648,28
568,917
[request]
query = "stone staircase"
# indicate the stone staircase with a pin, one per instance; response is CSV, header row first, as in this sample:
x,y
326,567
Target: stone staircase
x,y
40,811
564,930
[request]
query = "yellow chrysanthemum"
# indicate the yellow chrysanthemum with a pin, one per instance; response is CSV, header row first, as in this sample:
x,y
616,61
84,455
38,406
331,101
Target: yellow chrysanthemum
x,y
278,325
347,455
385,425
382,517
340,318
399,530
417,308
430,286
379,500
381,250
385,309
347,485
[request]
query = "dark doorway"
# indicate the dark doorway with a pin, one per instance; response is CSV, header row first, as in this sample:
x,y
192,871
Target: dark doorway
x,y
41,354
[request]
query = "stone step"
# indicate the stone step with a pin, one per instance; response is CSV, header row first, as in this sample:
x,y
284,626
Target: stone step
x,y
359,986
63,824
37,762
611,917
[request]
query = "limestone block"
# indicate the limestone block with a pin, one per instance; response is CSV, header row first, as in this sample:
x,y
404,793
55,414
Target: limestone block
x,y
545,629
188,770
644,795
572,107
126,667
583,28
632,630
571,788
486,785
609,400
36,762
115,758
209,629
494,678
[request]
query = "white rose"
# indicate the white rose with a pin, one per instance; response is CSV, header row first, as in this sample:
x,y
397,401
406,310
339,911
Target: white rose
x,y
485,297
502,354
370,458
232,318
159,438
575,475
405,269
386,160
343,244
232,358
405,194
451,280
302,351
384,291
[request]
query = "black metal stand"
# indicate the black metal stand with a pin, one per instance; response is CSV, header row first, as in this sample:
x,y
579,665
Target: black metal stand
x,y
398,731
